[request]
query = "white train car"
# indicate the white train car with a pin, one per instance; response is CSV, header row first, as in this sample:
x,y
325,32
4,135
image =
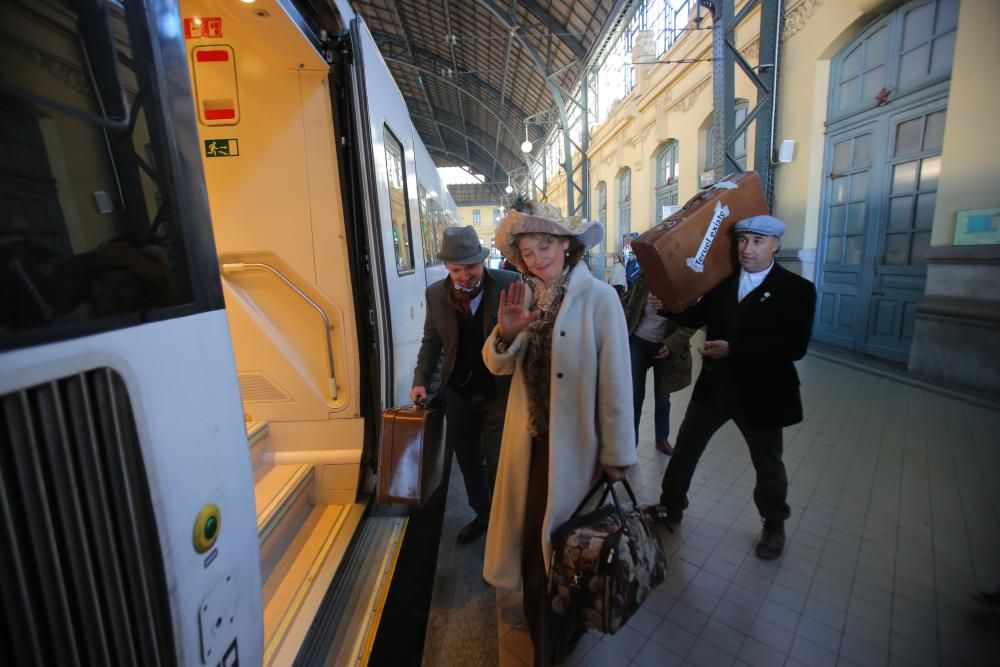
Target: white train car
x,y
218,226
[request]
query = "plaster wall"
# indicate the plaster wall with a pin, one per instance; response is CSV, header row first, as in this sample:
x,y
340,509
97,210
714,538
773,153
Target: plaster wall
x,y
485,229
970,169
674,101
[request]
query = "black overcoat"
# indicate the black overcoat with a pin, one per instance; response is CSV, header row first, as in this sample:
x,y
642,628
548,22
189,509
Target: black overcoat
x,y
767,332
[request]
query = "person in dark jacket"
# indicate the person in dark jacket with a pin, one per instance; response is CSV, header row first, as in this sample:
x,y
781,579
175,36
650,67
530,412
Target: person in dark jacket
x,y
658,342
759,322
461,313
631,270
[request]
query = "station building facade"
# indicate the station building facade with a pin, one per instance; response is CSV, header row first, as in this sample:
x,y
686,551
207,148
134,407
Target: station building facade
x,y
891,107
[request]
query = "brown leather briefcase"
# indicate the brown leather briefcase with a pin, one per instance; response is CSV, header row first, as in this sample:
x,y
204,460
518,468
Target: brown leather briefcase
x,y
411,458
691,251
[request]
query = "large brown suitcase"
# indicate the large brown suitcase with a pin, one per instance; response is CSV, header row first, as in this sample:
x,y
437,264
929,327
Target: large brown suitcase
x,y
411,458
691,251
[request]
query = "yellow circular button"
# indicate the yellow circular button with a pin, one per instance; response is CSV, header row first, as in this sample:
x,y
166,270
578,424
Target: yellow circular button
x,y
206,528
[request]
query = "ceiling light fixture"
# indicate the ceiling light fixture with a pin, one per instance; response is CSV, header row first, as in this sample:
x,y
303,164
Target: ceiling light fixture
x,y
510,188
526,146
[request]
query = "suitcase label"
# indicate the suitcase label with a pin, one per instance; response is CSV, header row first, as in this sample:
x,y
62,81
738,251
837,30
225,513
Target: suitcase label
x,y
697,263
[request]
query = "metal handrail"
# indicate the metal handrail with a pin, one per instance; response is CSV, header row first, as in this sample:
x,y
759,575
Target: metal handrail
x,y
242,266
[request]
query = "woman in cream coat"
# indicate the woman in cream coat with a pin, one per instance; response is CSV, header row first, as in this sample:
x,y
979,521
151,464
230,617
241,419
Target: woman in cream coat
x,y
564,329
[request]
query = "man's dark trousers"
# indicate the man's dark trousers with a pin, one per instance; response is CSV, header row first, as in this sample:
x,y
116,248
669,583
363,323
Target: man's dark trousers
x,y
765,443
468,417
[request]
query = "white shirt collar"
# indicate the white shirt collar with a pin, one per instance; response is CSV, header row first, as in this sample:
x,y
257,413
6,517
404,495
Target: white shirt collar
x,y
475,301
751,281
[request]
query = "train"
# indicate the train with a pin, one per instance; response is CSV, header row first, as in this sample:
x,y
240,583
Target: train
x,y
218,227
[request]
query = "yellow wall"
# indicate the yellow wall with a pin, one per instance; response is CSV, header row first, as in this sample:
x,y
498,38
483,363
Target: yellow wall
x,y
970,164
485,229
673,101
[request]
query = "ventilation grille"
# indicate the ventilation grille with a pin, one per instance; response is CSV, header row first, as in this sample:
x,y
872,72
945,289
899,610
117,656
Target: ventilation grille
x,y
81,575
255,387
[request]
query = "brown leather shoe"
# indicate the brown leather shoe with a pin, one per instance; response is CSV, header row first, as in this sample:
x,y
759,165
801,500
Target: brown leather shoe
x,y
772,540
471,531
662,445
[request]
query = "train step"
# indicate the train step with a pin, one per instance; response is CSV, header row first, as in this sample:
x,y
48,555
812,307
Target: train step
x,y
302,545
283,497
347,621
257,435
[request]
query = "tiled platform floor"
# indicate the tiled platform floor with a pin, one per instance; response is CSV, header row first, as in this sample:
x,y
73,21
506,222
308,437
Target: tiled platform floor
x,y
895,495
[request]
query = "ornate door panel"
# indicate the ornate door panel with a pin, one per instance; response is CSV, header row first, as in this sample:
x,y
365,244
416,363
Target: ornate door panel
x,y
844,278
900,270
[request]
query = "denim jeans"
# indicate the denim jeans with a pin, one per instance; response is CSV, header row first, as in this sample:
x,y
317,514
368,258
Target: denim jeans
x,y
643,357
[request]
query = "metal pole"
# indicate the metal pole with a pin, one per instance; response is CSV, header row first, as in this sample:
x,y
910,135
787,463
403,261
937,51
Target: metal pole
x,y
723,86
770,45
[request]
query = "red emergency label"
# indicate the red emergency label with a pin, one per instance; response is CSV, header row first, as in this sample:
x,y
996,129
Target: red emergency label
x,y
215,84
205,27
213,56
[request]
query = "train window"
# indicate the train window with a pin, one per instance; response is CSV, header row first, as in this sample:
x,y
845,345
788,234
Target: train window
x,y
432,223
402,241
88,236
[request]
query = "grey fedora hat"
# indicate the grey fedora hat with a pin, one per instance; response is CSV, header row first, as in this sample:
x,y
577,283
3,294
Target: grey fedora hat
x,y
460,245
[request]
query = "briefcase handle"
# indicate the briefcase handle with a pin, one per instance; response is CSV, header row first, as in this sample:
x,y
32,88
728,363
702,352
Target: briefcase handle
x,y
608,485
432,402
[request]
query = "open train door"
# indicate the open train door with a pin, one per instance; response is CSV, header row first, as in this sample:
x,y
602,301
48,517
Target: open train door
x,y
389,200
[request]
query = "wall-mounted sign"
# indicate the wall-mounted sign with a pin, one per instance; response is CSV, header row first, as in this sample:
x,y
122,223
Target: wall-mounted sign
x,y
215,85
977,227
222,148
203,27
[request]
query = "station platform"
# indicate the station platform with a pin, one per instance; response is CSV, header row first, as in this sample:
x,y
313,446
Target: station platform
x,y
895,525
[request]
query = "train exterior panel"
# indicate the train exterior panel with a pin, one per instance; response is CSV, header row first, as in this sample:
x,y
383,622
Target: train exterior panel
x,y
274,209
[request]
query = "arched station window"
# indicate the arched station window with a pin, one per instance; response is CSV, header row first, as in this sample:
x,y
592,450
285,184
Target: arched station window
x,y
667,167
624,205
739,146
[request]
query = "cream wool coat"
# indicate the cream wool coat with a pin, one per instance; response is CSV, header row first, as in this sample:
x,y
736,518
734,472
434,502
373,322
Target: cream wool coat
x,y
590,419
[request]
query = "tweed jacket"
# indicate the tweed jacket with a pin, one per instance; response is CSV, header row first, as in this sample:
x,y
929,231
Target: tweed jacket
x,y
590,419
674,372
441,328
767,332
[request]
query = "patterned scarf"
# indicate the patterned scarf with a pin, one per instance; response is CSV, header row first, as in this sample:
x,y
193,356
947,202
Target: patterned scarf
x,y
537,364
461,300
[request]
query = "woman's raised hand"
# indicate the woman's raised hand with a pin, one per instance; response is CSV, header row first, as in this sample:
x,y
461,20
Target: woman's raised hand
x,y
515,314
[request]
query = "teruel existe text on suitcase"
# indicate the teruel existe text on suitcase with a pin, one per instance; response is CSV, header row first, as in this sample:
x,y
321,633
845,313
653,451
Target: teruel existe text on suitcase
x,y
691,251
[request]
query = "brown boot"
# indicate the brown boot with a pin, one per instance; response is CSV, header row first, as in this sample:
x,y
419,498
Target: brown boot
x,y
663,445
772,540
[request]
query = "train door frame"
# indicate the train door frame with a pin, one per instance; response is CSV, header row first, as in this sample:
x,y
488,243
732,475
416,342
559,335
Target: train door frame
x,y
405,311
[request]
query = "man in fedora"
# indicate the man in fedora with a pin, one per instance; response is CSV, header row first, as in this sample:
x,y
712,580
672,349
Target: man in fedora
x,y
758,323
461,313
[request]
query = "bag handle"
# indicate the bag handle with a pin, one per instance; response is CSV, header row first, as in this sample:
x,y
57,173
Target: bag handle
x,y
608,485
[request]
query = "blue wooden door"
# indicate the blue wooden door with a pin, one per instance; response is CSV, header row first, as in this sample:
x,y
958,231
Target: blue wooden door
x,y
888,104
845,251
907,201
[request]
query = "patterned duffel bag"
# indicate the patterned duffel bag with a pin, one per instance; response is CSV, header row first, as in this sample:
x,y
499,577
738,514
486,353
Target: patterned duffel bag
x,y
605,562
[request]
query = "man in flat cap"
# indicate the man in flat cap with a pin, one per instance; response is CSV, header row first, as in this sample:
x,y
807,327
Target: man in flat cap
x,y
461,313
758,321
